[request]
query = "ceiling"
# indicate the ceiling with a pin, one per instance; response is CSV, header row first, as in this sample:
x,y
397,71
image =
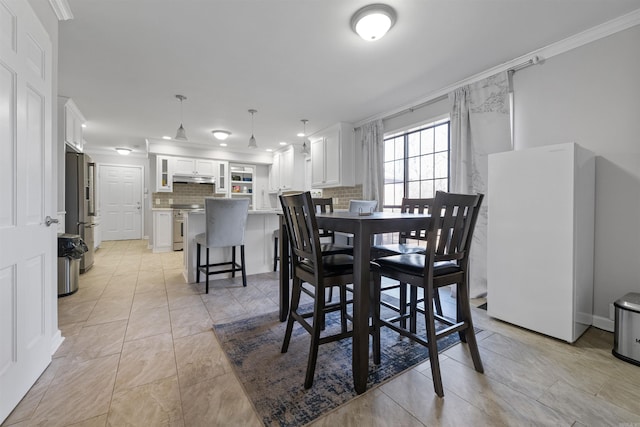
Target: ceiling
x,y
123,61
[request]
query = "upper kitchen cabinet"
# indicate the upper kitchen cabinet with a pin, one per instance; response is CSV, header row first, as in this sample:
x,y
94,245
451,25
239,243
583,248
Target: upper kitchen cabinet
x,y
222,177
332,157
72,121
188,166
242,182
287,170
164,174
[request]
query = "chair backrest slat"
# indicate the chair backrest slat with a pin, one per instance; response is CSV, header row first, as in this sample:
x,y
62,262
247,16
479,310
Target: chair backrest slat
x,y
300,219
324,205
420,206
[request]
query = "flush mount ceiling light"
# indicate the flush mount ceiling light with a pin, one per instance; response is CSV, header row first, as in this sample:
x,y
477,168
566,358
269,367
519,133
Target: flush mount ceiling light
x,y
124,151
305,146
373,21
221,134
181,134
252,140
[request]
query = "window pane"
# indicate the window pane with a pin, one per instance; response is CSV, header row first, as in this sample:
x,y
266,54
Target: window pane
x,y
442,138
398,193
414,144
389,195
389,149
399,148
399,170
389,175
442,165
427,141
414,189
427,166
426,190
413,174
441,185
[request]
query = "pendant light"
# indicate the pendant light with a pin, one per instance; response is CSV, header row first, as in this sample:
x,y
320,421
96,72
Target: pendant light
x,y
181,134
305,147
252,140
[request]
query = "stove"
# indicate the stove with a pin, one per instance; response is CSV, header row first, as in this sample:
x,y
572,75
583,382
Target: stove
x,y
179,212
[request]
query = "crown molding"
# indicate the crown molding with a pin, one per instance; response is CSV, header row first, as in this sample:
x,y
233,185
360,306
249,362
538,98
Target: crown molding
x,y
580,39
62,9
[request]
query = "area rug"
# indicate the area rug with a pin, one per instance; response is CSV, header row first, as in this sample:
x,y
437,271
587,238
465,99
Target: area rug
x,y
274,381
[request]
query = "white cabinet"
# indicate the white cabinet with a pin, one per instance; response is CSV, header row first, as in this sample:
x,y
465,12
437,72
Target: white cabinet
x,y
332,157
97,233
287,170
242,182
540,239
222,177
188,166
164,174
72,123
162,230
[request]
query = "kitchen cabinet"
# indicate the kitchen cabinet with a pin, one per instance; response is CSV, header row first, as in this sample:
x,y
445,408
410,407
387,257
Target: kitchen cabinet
x,y
540,240
332,157
72,123
242,182
162,230
222,178
188,166
287,170
164,174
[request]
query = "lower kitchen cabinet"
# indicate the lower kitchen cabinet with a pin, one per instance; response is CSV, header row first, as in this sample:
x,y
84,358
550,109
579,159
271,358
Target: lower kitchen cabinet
x,y
162,230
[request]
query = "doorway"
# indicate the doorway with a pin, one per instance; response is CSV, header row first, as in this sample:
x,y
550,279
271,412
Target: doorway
x,y
120,202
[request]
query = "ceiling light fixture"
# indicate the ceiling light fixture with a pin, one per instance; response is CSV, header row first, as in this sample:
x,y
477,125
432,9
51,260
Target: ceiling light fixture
x,y
181,134
124,151
252,140
166,137
305,147
373,21
221,134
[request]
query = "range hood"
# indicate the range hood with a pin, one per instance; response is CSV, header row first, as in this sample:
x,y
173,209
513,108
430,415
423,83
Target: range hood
x,y
194,179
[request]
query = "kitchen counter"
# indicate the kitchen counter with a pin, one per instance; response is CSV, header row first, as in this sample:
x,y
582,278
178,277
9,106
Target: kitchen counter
x,y
258,245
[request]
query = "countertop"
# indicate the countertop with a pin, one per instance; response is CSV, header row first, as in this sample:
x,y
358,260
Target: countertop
x,y
251,212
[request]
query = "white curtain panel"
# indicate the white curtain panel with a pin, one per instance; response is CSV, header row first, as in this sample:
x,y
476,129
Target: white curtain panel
x,y
480,125
373,167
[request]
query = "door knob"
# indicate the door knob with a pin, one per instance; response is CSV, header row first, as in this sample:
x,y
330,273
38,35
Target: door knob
x,y
48,221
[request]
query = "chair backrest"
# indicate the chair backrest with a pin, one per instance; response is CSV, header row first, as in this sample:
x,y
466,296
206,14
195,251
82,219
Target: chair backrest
x,y
300,219
453,219
226,220
359,206
420,206
324,205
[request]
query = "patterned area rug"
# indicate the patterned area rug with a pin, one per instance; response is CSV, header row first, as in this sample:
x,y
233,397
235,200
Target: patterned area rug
x,y
274,381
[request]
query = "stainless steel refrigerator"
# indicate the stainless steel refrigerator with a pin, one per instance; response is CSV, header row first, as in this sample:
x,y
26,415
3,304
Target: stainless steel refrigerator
x,y
80,173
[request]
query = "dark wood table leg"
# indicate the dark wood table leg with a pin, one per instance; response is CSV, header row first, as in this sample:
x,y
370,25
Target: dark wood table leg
x,y
360,362
283,240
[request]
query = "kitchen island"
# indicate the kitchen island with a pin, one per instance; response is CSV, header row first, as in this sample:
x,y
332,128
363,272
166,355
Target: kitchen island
x,y
258,244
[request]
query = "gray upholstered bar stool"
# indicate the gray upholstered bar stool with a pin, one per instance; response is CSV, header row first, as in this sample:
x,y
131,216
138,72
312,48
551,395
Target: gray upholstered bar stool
x,y
226,220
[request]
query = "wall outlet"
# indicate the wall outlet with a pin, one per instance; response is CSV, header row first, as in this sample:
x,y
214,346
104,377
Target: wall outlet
x,y
170,201
612,312
157,201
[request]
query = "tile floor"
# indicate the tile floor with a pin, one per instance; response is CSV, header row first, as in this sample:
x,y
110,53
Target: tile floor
x,y
139,351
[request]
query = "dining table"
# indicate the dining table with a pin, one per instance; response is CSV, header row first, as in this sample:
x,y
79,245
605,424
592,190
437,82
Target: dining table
x,y
363,228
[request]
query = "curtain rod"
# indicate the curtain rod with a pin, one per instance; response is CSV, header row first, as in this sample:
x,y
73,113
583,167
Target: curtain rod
x,y
444,93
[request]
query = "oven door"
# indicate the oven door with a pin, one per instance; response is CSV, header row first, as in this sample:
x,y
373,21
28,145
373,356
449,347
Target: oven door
x,y
178,232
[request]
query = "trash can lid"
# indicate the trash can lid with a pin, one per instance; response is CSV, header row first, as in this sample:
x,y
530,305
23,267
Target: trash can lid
x,y
630,301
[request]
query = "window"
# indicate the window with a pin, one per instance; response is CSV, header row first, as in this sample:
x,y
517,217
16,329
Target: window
x,y
416,163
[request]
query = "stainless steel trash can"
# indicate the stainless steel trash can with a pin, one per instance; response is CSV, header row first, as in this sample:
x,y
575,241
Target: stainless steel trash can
x,y
68,275
626,342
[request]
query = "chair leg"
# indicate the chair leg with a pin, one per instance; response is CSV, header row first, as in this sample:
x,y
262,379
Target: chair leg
x,y
375,301
318,311
413,308
402,289
198,263
244,271
275,253
233,261
343,309
470,333
295,301
207,271
432,341
436,301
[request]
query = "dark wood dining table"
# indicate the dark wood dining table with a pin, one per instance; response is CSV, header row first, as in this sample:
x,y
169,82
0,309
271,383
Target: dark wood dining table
x,y
363,228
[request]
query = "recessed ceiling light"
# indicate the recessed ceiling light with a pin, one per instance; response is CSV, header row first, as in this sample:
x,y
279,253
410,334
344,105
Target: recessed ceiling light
x,y
373,21
301,134
221,134
166,137
123,151
223,144
269,150
283,143
84,125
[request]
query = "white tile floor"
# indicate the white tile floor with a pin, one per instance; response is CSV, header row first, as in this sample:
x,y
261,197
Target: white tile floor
x,y
139,350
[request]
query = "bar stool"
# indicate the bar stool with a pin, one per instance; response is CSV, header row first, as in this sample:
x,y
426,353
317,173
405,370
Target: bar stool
x,y
226,220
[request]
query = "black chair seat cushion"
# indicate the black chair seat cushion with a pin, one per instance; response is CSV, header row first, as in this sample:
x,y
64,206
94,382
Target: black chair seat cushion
x,y
414,264
395,249
333,249
333,265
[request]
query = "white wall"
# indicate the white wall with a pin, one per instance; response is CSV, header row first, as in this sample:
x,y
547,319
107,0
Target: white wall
x,y
591,96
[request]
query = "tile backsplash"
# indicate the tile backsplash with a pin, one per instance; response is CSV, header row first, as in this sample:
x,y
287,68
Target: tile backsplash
x,y
184,194
343,195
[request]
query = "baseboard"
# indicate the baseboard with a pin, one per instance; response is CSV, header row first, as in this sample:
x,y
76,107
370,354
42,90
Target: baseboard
x,y
56,341
604,323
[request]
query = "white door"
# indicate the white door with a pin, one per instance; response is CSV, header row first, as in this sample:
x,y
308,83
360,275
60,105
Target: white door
x,y
120,202
27,245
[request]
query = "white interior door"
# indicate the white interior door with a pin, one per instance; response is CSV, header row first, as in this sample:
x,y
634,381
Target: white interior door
x,y
120,202
27,244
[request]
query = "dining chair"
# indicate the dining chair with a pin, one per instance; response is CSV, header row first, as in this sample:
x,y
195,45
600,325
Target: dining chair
x,y
413,242
225,223
445,262
319,272
360,207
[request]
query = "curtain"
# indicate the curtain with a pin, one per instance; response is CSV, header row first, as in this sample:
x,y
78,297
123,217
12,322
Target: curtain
x,y
373,165
480,125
